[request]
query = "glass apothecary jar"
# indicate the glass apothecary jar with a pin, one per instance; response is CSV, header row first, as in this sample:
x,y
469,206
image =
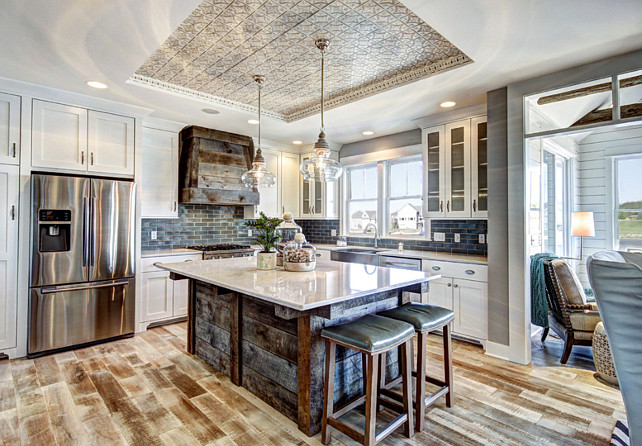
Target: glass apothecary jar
x,y
287,230
299,255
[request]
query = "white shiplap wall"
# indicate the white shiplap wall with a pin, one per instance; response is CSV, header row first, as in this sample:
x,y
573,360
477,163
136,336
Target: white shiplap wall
x,y
596,152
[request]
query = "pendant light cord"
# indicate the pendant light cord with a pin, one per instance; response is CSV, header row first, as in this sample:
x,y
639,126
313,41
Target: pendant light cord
x,y
322,70
259,148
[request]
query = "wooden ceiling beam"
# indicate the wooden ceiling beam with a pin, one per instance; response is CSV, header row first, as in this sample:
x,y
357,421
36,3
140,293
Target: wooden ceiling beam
x,y
593,89
626,111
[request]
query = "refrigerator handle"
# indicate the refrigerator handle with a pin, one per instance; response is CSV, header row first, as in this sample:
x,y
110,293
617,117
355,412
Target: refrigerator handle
x,y
63,289
93,231
85,231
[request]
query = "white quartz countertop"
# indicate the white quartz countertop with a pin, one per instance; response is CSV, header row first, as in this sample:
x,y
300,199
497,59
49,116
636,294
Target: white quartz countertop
x,y
425,255
167,252
331,282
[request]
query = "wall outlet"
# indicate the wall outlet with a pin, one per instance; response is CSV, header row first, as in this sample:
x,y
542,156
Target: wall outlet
x,y
333,232
249,233
457,238
482,238
440,236
154,235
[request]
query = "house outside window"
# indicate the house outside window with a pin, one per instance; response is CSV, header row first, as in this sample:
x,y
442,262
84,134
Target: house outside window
x,y
627,212
404,197
362,197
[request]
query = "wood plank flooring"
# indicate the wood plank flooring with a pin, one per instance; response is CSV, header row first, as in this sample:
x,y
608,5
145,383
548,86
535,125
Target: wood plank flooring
x,y
148,391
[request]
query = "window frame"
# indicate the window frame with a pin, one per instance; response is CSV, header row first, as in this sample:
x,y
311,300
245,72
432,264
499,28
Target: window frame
x,y
615,198
388,198
347,187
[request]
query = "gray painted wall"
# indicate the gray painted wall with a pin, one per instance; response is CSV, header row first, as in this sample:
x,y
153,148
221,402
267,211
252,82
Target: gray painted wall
x,y
498,330
396,140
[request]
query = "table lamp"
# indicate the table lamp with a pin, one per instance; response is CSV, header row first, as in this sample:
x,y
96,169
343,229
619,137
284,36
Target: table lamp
x,y
582,225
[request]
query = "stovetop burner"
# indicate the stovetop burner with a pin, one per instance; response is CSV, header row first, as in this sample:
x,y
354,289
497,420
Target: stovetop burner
x,y
219,247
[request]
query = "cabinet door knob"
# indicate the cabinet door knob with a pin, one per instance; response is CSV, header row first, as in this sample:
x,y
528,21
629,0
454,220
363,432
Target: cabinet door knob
x,y
436,268
13,150
456,286
474,205
450,284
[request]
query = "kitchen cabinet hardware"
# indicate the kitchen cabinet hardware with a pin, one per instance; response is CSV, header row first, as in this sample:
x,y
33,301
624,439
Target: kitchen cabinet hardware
x,y
474,205
456,286
436,268
92,158
13,212
448,206
441,206
469,272
82,157
13,150
449,284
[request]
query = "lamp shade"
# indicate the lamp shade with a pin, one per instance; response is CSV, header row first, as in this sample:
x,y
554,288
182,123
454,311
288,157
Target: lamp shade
x,y
582,224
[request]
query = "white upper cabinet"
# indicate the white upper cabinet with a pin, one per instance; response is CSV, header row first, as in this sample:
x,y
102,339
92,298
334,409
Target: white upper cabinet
x,y
8,255
59,136
455,167
479,166
319,200
111,143
290,183
159,184
270,201
9,129
76,139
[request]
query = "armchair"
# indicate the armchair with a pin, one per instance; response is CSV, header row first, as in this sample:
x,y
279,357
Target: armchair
x,y
570,316
616,278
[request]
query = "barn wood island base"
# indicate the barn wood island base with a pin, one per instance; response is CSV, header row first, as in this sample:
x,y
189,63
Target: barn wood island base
x,y
263,328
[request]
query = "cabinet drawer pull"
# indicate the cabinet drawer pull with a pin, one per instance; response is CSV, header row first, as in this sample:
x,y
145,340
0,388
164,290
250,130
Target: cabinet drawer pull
x,y
436,268
470,272
13,150
188,260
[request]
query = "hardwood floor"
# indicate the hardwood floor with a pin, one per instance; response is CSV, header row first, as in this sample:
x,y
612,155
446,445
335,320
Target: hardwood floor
x,y
147,391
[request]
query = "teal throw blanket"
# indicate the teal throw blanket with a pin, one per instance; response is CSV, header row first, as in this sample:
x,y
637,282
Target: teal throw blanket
x,y
539,305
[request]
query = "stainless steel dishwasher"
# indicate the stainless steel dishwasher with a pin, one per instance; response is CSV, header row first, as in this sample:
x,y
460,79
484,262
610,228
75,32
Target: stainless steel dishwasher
x,y
404,263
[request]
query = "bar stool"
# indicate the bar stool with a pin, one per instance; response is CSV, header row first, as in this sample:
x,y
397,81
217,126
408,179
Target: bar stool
x,y
424,318
373,336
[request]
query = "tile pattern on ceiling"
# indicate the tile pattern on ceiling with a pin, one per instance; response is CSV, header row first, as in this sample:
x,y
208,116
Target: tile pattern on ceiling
x,y
375,45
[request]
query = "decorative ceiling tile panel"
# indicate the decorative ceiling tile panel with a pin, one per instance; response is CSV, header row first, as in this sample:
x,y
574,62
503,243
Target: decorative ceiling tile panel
x,y
375,45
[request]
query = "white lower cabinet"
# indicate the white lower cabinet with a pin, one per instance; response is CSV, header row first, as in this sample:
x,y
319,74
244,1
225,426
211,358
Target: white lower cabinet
x,y
457,291
8,255
162,297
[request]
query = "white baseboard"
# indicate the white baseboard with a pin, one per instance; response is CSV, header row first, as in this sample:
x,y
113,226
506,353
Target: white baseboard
x,y
496,350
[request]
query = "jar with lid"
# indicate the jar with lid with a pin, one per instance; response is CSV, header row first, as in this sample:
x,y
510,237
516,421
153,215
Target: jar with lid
x,y
287,230
299,255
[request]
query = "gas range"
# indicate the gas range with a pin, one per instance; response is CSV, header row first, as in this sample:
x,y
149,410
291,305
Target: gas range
x,y
223,251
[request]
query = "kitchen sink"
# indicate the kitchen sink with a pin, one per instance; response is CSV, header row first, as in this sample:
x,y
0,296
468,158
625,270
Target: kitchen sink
x,y
366,256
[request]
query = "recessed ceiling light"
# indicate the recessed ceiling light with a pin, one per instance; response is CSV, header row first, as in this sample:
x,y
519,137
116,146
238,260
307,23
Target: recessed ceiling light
x,y
447,104
96,84
253,121
367,132
210,111
297,142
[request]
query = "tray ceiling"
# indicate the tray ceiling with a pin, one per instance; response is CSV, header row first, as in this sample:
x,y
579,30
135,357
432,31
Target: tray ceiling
x,y
375,45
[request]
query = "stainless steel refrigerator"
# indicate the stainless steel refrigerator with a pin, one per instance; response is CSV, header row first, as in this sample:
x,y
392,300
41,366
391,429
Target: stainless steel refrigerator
x,y
82,261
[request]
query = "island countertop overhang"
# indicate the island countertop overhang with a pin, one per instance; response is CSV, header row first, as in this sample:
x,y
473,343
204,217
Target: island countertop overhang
x,y
330,283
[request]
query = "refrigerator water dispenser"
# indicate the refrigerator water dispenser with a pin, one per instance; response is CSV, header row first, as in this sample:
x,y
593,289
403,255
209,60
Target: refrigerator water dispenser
x,y
54,230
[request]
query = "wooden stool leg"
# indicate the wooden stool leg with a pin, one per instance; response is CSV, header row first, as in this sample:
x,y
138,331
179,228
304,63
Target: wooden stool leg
x,y
381,382
328,390
371,401
448,366
364,369
420,385
406,370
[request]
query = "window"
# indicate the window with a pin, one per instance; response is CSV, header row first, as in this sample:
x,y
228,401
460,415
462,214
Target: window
x,y
362,198
628,204
404,198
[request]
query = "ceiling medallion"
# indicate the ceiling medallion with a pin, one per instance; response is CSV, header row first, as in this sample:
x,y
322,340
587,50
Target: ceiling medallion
x,y
320,167
258,175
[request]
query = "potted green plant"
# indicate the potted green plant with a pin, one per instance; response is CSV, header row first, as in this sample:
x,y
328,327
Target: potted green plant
x,y
266,237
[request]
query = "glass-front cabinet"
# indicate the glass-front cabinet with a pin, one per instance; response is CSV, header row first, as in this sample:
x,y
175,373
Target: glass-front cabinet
x,y
318,200
479,161
456,163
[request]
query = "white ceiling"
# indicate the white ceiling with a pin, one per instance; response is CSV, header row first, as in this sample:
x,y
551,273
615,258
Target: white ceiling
x,y
64,43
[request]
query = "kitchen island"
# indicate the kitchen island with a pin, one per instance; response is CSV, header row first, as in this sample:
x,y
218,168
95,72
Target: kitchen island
x,y
263,328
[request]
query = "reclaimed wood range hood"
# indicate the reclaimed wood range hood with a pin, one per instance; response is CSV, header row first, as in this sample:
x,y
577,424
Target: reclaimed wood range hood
x,y
211,165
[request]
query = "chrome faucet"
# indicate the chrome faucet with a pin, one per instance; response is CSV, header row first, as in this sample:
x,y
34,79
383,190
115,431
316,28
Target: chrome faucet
x,y
376,233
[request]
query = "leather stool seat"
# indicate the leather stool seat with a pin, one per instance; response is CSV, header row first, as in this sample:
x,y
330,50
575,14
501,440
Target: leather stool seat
x,y
422,317
370,334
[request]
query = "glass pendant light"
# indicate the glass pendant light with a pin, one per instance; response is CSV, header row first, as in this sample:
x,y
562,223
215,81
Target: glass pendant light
x,y
258,175
320,167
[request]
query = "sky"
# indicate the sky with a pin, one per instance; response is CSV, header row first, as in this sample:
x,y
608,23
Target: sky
x,y
630,183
